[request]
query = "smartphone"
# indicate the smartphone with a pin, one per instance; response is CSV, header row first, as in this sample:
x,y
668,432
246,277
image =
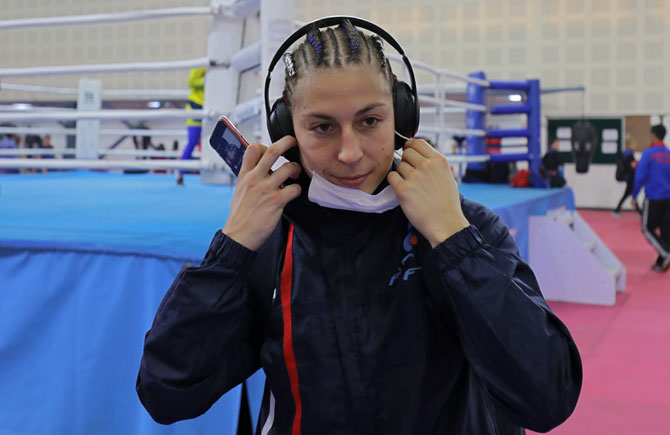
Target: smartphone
x,y
228,142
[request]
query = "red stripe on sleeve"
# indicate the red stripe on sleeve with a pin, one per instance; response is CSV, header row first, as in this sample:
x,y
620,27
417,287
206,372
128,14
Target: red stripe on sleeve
x,y
289,357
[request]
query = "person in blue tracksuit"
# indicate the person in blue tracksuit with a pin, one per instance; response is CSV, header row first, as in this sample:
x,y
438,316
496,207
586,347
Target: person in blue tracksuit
x,y
416,316
653,174
626,172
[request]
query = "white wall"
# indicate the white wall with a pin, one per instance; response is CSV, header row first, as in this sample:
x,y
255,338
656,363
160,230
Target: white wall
x,y
618,49
597,188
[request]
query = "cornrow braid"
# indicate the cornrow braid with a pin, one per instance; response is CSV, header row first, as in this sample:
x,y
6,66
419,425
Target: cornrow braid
x,y
298,62
379,45
367,49
304,55
352,34
314,37
289,64
336,48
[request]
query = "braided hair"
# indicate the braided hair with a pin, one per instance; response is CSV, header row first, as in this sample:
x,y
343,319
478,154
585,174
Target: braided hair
x,y
334,47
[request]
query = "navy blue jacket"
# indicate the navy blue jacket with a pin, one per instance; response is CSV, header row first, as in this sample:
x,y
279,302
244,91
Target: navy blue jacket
x,y
653,172
362,328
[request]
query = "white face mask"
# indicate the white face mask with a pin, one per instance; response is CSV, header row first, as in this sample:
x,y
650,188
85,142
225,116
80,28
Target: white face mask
x,y
329,195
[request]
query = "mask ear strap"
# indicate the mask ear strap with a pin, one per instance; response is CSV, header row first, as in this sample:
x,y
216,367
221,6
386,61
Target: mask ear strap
x,y
401,136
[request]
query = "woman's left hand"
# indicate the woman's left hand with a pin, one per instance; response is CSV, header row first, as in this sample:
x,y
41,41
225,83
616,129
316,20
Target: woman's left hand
x,y
428,192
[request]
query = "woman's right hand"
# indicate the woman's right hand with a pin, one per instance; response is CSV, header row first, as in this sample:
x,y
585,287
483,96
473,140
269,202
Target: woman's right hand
x,y
260,195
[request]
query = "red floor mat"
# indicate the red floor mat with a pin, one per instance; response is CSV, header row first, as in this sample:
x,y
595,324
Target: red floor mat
x,y
625,349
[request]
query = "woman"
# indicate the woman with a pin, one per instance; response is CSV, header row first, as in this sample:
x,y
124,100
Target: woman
x,y
417,318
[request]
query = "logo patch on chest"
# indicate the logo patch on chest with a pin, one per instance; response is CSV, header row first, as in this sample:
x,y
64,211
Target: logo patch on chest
x,y
408,265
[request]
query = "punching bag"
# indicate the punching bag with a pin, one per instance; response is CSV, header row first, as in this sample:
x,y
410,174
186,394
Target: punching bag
x,y
583,144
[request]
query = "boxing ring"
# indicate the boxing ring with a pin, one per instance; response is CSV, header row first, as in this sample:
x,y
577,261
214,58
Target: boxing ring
x,y
86,256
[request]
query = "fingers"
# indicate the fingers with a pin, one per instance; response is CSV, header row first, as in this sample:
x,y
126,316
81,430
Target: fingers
x,y
394,179
289,193
273,152
252,155
421,147
412,156
285,171
262,157
420,159
413,159
405,169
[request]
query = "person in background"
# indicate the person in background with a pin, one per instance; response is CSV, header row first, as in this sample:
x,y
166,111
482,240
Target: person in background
x,y
9,141
625,171
160,147
458,145
413,314
142,143
45,144
33,141
653,175
552,165
196,99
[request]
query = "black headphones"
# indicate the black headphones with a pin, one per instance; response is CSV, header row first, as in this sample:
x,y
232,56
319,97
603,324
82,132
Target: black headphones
x,y
405,99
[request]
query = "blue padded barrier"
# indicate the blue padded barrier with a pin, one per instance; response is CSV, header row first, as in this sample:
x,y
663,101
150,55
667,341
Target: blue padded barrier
x,y
72,324
510,109
510,86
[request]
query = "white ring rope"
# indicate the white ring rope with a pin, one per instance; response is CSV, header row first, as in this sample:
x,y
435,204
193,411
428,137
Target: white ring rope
x,y
109,114
146,153
453,131
453,103
140,132
166,93
247,58
432,88
192,165
417,65
443,110
106,68
113,17
463,158
247,110
103,132
22,109
13,152
156,164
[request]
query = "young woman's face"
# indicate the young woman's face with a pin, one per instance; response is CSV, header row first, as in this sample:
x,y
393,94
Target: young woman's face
x,y
343,120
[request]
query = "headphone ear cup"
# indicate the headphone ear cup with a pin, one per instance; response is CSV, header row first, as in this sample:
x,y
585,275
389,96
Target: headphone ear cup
x,y
280,121
406,113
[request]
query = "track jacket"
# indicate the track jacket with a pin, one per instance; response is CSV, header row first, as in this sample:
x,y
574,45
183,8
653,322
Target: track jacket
x,y
362,328
196,82
653,172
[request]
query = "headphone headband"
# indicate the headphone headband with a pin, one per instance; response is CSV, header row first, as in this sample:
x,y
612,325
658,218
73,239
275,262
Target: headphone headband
x,y
327,22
